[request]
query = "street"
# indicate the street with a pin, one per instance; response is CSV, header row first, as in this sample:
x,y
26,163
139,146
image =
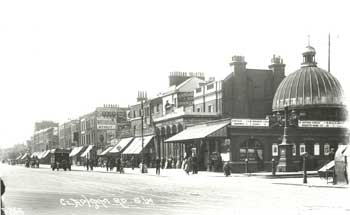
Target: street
x,y
42,191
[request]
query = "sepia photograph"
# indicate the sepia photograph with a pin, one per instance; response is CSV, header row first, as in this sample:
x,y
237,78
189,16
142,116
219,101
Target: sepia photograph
x,y
169,107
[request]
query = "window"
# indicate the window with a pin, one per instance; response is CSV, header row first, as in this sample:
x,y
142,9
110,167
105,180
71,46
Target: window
x,y
134,114
210,86
317,149
210,108
198,109
302,148
251,149
158,108
326,149
174,102
198,90
274,149
294,150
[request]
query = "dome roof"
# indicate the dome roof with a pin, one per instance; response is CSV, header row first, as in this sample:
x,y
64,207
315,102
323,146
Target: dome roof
x,y
308,87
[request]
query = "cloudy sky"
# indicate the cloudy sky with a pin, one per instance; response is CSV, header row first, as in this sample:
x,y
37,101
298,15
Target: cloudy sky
x,y
61,59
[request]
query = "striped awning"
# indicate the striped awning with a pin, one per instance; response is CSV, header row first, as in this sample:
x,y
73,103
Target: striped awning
x,y
121,145
106,151
135,146
198,132
75,151
86,151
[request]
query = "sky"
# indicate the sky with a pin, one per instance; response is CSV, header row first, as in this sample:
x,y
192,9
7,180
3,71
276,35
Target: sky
x,y
62,59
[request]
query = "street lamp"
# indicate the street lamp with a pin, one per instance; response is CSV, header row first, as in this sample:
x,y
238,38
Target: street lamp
x,y
142,96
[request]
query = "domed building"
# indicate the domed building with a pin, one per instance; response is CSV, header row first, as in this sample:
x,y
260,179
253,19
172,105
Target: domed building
x,y
312,101
311,92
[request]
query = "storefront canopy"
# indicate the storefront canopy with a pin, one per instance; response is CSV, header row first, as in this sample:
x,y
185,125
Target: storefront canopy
x,y
24,156
135,146
40,154
121,145
106,151
197,132
46,153
19,157
75,151
87,151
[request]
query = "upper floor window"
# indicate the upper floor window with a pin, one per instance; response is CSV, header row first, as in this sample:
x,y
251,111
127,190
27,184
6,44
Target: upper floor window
x,y
275,149
198,109
302,148
198,90
294,149
210,108
326,149
158,108
210,86
317,149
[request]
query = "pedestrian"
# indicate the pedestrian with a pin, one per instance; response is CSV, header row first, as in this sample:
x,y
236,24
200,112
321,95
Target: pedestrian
x,y
158,166
121,168
107,164
87,164
194,165
2,193
186,166
132,162
91,165
118,164
227,170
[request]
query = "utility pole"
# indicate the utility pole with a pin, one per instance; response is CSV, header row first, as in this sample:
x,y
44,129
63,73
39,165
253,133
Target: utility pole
x,y
142,96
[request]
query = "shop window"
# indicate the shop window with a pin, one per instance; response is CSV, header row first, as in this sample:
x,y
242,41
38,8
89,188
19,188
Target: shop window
x,y
251,149
302,148
294,150
316,149
274,149
326,149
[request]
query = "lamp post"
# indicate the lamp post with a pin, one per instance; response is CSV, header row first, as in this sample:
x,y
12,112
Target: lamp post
x,y
284,164
142,96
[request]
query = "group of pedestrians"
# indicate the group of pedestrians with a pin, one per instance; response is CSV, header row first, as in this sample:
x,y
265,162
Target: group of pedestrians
x,y
119,164
190,164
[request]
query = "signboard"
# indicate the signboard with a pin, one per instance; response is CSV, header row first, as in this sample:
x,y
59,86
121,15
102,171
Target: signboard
x,y
106,127
106,124
250,122
321,124
225,156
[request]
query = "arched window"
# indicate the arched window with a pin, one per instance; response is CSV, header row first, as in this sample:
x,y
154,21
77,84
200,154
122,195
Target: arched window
x,y
326,149
275,149
317,149
251,149
302,148
294,149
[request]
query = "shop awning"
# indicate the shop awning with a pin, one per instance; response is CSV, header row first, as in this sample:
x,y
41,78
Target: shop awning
x,y
106,151
75,151
24,156
46,153
121,145
19,157
87,151
135,146
347,151
198,132
40,154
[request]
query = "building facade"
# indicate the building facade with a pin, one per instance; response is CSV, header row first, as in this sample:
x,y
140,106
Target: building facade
x,y
69,134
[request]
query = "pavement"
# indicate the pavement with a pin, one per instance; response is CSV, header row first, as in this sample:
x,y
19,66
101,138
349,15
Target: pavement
x,y
288,178
43,191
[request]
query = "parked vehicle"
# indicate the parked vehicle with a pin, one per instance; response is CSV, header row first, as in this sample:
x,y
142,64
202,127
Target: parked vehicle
x,y
60,159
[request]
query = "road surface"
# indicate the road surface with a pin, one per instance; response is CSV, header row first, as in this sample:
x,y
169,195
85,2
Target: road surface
x,y
42,191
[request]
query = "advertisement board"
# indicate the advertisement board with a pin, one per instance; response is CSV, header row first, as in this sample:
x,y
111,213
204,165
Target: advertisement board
x,y
250,122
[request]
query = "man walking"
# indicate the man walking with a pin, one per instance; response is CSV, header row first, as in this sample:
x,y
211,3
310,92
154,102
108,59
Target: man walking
x,y
158,166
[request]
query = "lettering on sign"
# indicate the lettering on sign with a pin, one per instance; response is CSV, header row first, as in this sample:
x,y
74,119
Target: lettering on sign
x,y
250,122
321,124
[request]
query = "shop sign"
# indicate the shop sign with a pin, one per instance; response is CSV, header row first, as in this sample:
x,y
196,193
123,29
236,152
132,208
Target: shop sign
x,y
321,124
250,122
106,127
